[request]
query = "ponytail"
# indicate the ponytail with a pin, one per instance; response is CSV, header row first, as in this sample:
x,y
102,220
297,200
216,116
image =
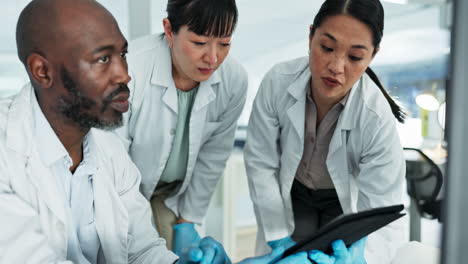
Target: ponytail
x,y
396,109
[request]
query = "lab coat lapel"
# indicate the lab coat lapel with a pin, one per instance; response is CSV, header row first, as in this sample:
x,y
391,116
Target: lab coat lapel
x,y
296,113
205,92
170,98
337,161
20,139
347,120
205,95
48,186
162,76
337,165
111,219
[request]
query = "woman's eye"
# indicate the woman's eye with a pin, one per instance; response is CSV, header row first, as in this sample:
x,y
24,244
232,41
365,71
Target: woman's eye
x,y
104,59
354,58
327,49
225,44
198,43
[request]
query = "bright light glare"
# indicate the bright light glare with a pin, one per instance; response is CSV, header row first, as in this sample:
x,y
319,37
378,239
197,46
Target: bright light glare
x,y
427,102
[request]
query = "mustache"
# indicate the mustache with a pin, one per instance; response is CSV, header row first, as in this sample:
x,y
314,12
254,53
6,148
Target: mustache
x,y
123,88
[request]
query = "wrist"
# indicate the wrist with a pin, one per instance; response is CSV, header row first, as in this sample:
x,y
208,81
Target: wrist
x,y
181,220
185,225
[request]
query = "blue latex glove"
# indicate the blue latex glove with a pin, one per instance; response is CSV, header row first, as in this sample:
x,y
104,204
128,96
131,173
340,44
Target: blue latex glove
x,y
185,237
275,255
342,255
192,249
286,243
191,254
213,252
208,251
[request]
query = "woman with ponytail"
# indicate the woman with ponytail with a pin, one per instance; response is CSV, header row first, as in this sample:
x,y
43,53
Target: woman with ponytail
x,y
322,137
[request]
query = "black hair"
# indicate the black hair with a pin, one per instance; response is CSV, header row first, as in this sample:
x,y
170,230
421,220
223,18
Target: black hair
x,y
371,13
203,17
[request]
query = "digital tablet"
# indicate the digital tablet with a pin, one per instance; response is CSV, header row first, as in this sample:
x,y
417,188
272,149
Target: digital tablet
x,y
350,228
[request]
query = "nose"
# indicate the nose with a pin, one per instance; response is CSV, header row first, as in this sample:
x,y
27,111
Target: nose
x,y
211,55
121,73
336,65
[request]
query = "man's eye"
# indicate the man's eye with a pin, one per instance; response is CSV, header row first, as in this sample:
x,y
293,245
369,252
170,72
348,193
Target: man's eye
x,y
124,54
104,59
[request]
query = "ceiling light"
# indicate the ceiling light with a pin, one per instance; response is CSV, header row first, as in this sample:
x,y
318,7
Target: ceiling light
x,y
427,101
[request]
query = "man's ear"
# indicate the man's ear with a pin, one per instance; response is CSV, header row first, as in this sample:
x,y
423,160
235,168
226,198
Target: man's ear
x,y
168,31
40,70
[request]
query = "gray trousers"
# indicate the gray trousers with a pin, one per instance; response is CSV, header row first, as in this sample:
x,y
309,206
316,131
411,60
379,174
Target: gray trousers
x,y
312,209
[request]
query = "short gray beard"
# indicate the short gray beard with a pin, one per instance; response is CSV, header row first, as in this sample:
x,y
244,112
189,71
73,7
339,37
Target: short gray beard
x,y
72,107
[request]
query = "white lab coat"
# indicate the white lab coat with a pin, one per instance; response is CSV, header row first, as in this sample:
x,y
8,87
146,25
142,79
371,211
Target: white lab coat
x,y
365,158
150,124
33,223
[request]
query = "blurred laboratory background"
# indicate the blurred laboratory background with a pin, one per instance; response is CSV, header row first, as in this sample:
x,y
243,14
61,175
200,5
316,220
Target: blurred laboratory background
x,y
413,64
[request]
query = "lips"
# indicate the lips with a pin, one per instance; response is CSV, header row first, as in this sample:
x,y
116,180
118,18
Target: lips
x,y
120,102
205,71
332,82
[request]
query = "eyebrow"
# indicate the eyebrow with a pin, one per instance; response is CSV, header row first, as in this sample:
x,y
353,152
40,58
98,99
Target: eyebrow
x,y
358,46
109,47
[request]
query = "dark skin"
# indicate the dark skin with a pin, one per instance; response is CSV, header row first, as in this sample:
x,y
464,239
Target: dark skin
x,y
83,38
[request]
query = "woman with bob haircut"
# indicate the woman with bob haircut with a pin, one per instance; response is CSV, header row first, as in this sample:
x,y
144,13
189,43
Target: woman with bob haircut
x,y
322,138
186,97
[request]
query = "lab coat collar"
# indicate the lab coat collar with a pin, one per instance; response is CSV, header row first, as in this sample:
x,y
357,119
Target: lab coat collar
x,y
19,130
162,76
162,69
50,148
349,116
90,153
347,120
298,88
296,112
19,138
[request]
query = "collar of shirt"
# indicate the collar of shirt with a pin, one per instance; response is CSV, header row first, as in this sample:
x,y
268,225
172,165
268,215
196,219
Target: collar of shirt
x,y
49,145
162,71
89,155
52,150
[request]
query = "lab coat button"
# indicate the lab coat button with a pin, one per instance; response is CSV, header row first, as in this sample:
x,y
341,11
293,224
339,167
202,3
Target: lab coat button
x,y
172,131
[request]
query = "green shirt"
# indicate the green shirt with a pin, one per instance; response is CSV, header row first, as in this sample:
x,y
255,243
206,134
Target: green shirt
x,y
176,165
